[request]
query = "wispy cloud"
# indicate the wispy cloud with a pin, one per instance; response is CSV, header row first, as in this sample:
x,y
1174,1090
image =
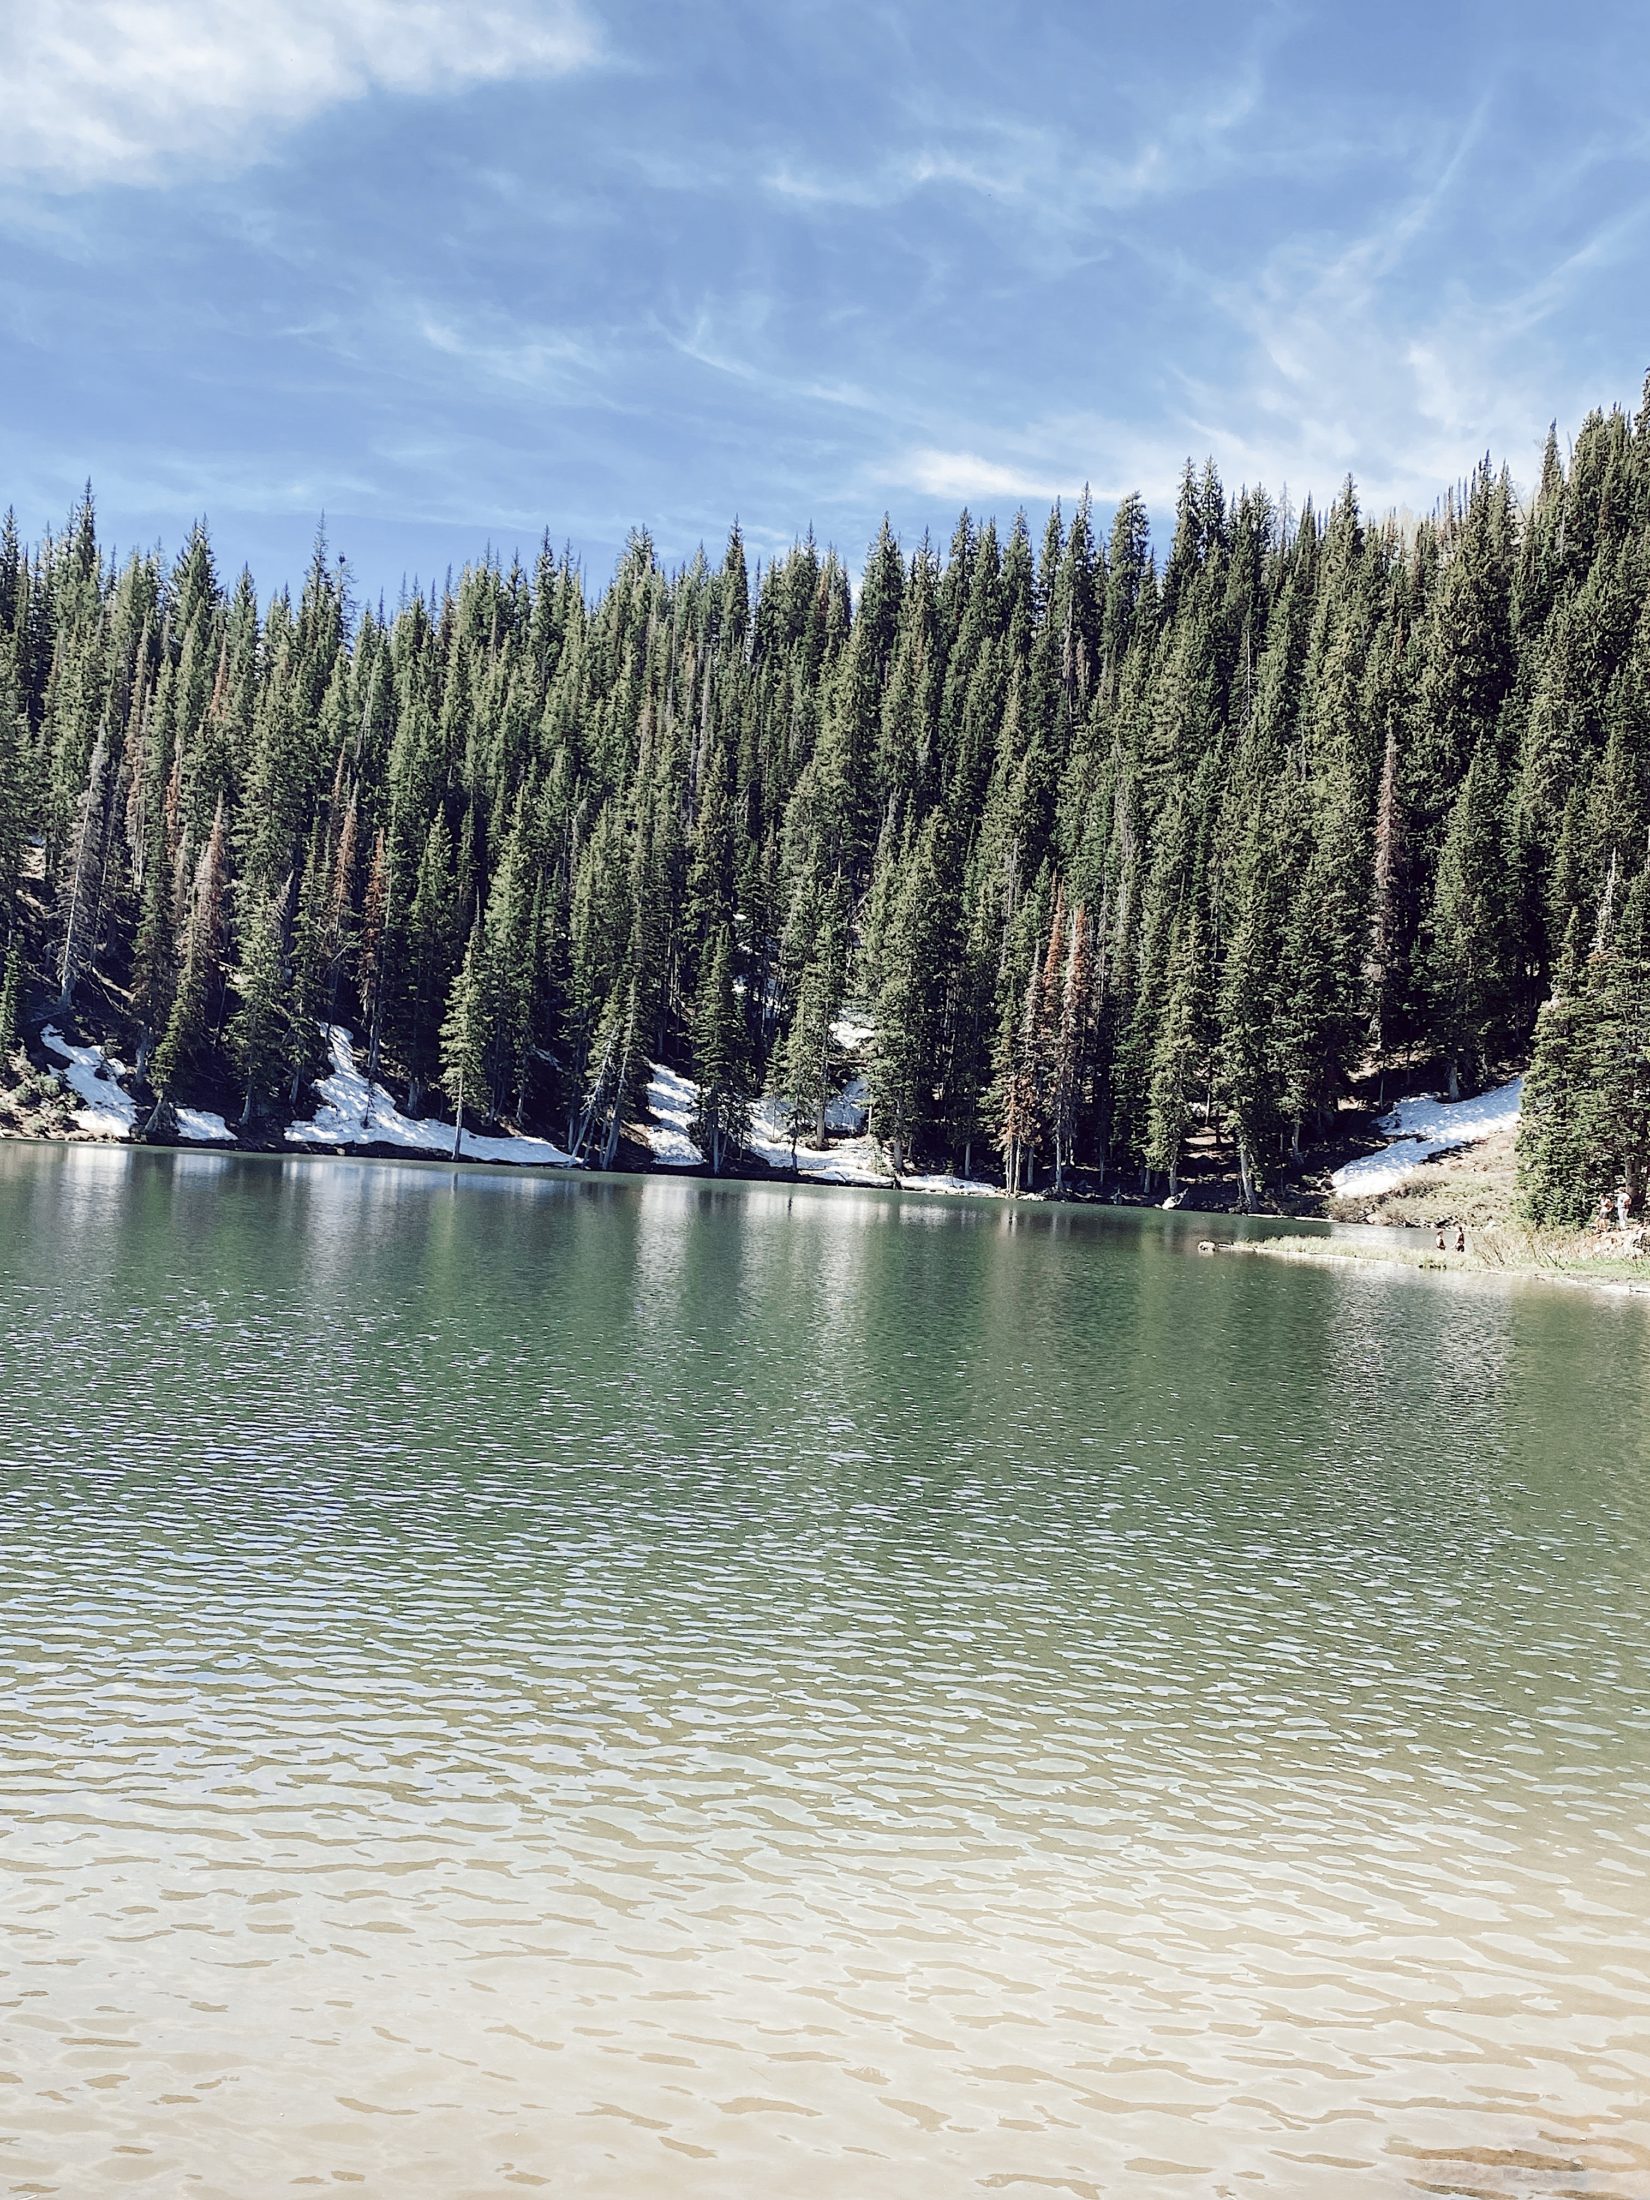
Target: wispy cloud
x,y
1164,144
133,91
1339,355
1026,168
539,361
1391,354
965,478
800,263
735,337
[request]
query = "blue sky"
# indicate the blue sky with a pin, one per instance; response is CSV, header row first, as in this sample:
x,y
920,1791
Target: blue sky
x,y
455,271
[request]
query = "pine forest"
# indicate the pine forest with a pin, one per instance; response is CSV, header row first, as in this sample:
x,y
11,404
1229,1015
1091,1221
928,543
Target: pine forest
x,y
1121,856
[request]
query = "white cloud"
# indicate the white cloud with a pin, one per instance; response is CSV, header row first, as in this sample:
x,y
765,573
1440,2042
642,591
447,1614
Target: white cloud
x,y
1367,358
966,478
540,361
1054,181
1366,353
1028,169
130,91
1062,454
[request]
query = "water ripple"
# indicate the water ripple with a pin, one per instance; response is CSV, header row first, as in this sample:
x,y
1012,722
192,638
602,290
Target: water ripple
x,y
673,1690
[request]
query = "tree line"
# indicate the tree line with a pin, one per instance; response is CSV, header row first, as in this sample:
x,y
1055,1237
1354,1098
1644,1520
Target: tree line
x,y
1114,851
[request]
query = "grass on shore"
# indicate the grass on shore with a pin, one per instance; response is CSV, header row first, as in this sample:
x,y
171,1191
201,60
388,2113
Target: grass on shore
x,y
1475,1189
1562,1256
1477,1186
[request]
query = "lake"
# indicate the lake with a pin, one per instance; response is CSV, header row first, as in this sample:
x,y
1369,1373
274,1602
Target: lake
x,y
639,1688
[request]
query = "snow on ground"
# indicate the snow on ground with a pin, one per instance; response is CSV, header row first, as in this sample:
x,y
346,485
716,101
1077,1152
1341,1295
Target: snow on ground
x,y
344,1119
850,1109
1424,1127
855,1157
851,1032
860,1159
201,1126
106,1111
855,1160
944,1183
673,1102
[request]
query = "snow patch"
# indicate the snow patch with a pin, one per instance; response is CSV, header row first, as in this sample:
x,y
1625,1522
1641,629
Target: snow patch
x,y
854,1160
673,1102
202,1127
1423,1128
858,1159
972,1185
850,1109
855,1157
106,1111
851,1032
351,1114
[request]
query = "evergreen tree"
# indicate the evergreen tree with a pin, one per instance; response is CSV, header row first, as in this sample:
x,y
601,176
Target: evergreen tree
x,y
1468,974
911,996
1177,1056
804,1064
722,1124
11,1002
464,1037
82,893
259,1030
1114,853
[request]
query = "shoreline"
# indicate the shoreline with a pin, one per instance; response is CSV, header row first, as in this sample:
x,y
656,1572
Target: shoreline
x,y
1617,1278
309,1149
1471,1186
1342,1244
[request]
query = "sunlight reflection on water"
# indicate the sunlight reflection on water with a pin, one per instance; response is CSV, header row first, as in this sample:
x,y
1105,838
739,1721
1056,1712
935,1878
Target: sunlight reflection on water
x,y
674,1689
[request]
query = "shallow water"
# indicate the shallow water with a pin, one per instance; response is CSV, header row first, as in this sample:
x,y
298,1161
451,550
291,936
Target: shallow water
x,y
644,1688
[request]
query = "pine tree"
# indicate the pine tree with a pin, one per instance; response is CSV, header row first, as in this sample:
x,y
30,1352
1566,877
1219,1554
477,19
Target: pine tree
x,y
911,994
1620,1097
428,960
1177,1061
1247,1068
1069,1044
259,1029
309,965
1383,970
804,1066
721,1126
1470,928
200,987
1561,1174
464,1037
1017,1088
183,1039
11,1002
82,895
17,803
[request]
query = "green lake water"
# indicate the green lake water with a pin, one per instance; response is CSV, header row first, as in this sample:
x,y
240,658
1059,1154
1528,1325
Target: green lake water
x,y
643,1688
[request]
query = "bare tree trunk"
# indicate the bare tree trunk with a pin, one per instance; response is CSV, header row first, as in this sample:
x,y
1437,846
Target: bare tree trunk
x,y
85,885
372,1052
1246,1176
